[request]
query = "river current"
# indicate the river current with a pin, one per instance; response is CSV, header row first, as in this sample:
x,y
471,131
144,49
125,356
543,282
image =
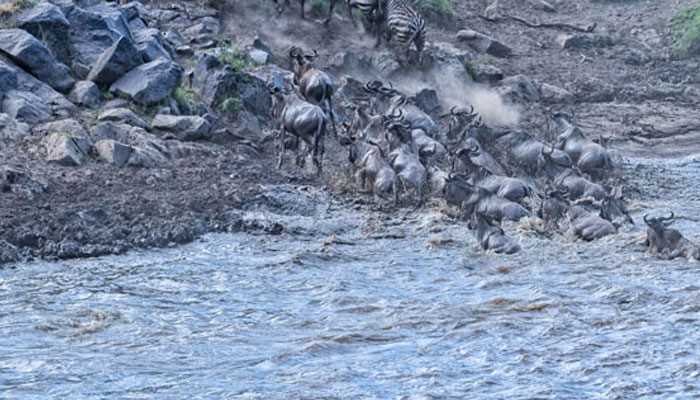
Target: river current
x,y
357,305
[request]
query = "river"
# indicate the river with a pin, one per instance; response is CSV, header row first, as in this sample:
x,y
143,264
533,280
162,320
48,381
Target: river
x,y
356,305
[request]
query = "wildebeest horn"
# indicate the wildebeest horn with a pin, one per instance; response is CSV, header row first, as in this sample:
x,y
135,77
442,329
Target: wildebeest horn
x,y
373,86
648,220
311,56
669,218
295,52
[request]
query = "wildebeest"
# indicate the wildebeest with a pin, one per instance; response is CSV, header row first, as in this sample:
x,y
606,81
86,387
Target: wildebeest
x,y
588,225
471,198
394,101
411,172
491,236
300,119
472,153
314,85
579,187
588,156
405,25
372,167
530,154
666,242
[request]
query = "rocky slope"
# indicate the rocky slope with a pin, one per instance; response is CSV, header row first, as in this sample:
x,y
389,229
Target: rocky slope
x,y
147,124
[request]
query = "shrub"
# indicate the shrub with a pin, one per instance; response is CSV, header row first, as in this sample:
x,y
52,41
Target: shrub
x,y
686,32
185,98
230,105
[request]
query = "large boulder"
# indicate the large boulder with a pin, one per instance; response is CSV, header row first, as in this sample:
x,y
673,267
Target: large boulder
x,y
185,128
114,62
28,52
86,94
123,115
519,89
66,149
92,32
113,152
149,83
150,44
26,107
68,125
112,131
8,78
47,21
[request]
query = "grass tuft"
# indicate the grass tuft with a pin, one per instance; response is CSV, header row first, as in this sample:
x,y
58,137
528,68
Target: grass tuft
x,y
686,32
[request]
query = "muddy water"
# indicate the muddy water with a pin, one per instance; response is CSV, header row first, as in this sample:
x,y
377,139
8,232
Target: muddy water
x,y
352,305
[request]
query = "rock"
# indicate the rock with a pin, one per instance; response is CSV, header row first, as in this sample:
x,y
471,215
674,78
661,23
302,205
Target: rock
x,y
519,88
542,5
66,149
485,73
114,62
8,78
555,94
584,41
92,32
68,125
246,125
147,156
113,152
427,100
11,129
150,45
26,107
119,132
484,44
86,94
149,83
258,57
16,180
46,21
28,52
123,115
185,128
115,103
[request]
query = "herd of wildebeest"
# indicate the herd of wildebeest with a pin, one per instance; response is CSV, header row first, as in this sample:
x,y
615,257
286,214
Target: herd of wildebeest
x,y
399,153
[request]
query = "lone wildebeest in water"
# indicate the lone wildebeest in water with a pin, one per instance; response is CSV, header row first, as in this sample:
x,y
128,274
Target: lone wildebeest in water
x,y
668,243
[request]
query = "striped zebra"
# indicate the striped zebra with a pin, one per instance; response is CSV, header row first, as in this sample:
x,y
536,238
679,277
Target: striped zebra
x,y
405,25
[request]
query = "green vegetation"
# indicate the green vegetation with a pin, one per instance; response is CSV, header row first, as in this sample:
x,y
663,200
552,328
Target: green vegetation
x,y
185,98
440,7
233,57
230,105
686,32
319,7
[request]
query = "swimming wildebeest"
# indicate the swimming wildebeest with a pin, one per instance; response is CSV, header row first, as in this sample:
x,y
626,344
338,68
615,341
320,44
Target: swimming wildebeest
x,y
491,236
666,242
471,198
528,154
411,172
590,157
301,119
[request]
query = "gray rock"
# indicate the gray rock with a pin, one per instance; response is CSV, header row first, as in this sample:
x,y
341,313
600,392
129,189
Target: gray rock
x,y
484,44
8,78
519,88
247,125
427,100
47,21
69,126
485,73
112,131
584,40
123,115
11,129
116,103
150,45
542,5
26,107
66,149
28,52
148,155
113,152
258,57
114,62
555,94
149,83
185,128
86,94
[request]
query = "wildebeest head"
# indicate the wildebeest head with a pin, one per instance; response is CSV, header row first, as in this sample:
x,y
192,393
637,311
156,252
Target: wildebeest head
x,y
660,223
613,208
458,189
550,157
553,205
398,127
301,61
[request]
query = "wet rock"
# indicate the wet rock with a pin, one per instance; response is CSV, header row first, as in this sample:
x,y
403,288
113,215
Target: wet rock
x,y
11,129
69,126
86,94
47,21
185,128
28,52
149,83
555,94
150,45
485,73
26,107
113,152
114,62
584,41
66,149
123,115
427,100
518,89
484,44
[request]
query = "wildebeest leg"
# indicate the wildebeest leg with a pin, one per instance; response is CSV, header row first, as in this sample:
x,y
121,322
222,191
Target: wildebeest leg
x,y
332,116
318,148
302,9
282,148
330,12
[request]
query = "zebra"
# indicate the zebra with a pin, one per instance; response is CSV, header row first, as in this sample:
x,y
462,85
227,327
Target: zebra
x,y
405,24
370,9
